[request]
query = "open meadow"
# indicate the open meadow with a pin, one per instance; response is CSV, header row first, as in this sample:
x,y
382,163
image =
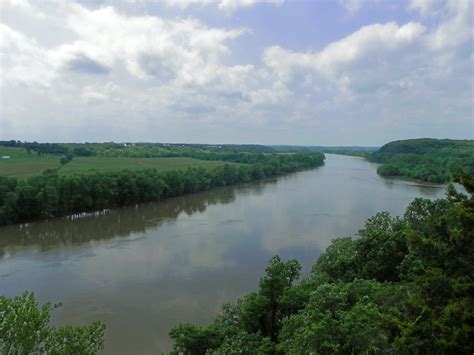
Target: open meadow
x,y
89,165
21,164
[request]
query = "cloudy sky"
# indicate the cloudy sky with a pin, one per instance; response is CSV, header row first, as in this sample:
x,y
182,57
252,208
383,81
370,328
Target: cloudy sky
x,y
236,71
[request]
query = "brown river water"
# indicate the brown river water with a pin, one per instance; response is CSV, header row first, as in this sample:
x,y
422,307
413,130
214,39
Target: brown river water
x,y
143,269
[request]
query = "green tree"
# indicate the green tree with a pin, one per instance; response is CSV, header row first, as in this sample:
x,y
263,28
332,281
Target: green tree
x,y
263,311
338,262
25,329
340,318
381,248
195,340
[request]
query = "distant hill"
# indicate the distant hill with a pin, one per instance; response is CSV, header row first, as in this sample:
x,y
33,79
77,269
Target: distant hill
x,y
427,159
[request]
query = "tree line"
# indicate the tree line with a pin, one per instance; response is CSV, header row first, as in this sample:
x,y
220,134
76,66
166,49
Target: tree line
x,y
426,159
405,285
137,150
39,148
52,195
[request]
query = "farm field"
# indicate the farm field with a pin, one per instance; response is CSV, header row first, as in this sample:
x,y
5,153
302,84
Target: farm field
x,y
23,164
89,165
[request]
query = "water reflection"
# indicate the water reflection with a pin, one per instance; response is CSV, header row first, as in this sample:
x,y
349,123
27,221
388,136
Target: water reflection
x,y
119,222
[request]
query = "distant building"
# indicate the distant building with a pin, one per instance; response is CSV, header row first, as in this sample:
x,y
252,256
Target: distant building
x,y
5,157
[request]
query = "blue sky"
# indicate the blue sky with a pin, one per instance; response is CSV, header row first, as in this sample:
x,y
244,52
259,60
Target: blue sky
x,y
236,71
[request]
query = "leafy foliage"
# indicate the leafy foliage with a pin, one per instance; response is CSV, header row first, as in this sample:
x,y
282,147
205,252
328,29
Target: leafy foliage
x,y
65,159
432,160
53,195
25,329
405,285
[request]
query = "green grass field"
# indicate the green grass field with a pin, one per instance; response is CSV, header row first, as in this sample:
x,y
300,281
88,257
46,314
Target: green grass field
x,y
89,165
23,165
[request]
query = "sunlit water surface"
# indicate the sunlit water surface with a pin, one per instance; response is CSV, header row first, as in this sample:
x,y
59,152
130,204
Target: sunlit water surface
x,y
144,269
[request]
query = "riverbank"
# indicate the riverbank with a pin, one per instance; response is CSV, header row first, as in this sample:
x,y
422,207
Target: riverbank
x,y
53,195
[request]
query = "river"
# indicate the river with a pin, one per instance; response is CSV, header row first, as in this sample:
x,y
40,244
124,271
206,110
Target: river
x,y
144,269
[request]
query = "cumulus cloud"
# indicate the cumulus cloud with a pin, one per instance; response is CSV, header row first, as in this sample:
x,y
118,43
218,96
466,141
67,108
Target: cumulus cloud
x,y
147,47
456,28
26,60
369,42
388,75
425,7
109,75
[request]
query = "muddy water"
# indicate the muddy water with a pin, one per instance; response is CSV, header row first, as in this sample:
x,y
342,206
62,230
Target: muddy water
x,y
144,269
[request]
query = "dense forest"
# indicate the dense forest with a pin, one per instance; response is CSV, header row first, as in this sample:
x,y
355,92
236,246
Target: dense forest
x,y
52,195
431,160
404,285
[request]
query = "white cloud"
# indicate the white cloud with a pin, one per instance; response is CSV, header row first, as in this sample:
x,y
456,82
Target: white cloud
x,y
92,97
172,79
147,47
183,4
227,6
233,5
455,18
457,28
401,75
425,7
22,5
370,43
23,60
101,93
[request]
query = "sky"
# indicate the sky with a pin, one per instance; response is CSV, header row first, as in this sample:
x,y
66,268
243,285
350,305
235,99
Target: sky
x,y
345,72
